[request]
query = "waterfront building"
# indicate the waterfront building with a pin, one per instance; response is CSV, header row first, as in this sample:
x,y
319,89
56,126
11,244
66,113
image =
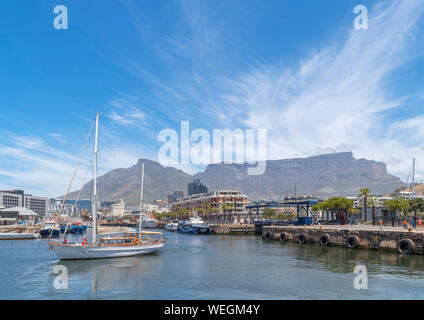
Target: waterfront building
x,y
17,198
118,209
149,208
37,204
20,214
12,198
196,187
212,204
68,206
175,196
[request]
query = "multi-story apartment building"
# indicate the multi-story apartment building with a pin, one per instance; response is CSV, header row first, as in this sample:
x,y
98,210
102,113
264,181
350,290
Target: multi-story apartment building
x,y
213,202
17,198
11,199
175,196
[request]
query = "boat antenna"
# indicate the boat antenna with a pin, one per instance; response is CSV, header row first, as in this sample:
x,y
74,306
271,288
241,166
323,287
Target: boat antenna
x,y
141,201
94,204
413,179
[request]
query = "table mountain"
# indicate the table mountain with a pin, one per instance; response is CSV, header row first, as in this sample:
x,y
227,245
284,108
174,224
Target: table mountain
x,y
322,175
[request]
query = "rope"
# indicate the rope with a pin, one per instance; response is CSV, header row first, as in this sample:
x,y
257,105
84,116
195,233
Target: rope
x,y
73,175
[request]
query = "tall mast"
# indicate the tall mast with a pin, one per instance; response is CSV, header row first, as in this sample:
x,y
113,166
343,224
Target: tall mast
x,y
94,204
141,201
413,178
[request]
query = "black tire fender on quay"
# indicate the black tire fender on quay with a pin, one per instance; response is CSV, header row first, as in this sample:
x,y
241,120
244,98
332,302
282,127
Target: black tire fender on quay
x,y
268,235
302,238
283,236
324,239
405,246
352,242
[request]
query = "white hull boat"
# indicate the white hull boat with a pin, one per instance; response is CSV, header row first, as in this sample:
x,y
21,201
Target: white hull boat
x,y
18,236
173,226
149,224
130,244
78,251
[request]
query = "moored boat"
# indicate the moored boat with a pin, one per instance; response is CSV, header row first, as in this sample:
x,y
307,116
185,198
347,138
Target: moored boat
x,y
195,225
18,236
50,229
130,244
172,226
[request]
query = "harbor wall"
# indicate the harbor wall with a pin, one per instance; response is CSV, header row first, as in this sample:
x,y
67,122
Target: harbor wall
x,y
232,229
401,241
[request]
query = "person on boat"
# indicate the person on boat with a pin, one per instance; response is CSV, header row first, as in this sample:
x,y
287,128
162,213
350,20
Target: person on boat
x,y
65,241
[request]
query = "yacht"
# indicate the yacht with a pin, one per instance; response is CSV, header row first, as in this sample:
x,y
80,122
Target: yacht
x,y
148,222
130,244
172,226
194,225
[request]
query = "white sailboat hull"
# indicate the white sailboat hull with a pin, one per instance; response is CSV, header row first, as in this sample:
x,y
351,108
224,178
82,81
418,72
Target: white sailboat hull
x,y
80,252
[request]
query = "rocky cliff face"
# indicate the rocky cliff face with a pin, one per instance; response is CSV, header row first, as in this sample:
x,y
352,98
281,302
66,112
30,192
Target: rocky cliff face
x,y
323,175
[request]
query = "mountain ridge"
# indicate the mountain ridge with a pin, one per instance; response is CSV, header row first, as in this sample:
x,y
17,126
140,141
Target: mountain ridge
x,y
323,175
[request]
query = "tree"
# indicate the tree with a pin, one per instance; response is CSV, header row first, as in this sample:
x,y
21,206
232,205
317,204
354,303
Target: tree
x,y
269,213
365,193
373,203
224,209
230,208
397,205
335,205
416,206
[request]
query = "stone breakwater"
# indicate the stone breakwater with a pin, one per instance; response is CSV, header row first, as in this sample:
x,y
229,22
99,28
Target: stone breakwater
x,y
352,237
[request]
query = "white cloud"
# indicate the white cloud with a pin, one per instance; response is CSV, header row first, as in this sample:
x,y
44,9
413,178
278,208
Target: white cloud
x,y
58,137
126,112
337,98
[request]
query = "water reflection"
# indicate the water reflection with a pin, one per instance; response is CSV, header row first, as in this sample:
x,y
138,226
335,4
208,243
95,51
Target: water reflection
x,y
342,260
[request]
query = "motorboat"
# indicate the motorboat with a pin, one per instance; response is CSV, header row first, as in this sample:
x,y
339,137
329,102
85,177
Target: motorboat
x,y
194,225
172,226
50,229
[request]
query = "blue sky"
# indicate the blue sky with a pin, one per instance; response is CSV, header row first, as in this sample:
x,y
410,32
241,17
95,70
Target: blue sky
x,y
296,68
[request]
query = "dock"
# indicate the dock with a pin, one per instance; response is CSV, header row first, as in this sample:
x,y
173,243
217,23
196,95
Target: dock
x,y
396,239
232,229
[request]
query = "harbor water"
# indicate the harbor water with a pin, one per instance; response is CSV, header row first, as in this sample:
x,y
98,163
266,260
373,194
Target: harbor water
x,y
212,267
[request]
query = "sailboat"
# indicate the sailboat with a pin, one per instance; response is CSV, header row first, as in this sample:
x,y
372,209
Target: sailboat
x,y
147,221
130,244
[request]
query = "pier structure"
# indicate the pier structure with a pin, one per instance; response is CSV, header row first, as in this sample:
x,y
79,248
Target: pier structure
x,y
302,208
403,241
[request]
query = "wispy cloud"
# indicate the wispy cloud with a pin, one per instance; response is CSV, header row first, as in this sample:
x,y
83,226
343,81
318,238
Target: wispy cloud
x,y
58,137
126,112
337,98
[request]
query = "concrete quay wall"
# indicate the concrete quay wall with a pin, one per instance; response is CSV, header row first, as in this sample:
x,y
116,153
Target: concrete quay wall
x,y
356,237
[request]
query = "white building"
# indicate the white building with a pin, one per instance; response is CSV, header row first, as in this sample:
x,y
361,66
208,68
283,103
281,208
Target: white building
x,y
17,198
118,209
37,204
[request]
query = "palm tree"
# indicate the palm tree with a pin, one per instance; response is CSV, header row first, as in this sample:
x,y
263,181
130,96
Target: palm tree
x,y
365,193
373,203
230,208
224,209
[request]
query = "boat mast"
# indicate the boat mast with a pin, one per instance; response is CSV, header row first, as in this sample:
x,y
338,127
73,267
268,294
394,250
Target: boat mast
x,y
94,204
141,201
413,179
